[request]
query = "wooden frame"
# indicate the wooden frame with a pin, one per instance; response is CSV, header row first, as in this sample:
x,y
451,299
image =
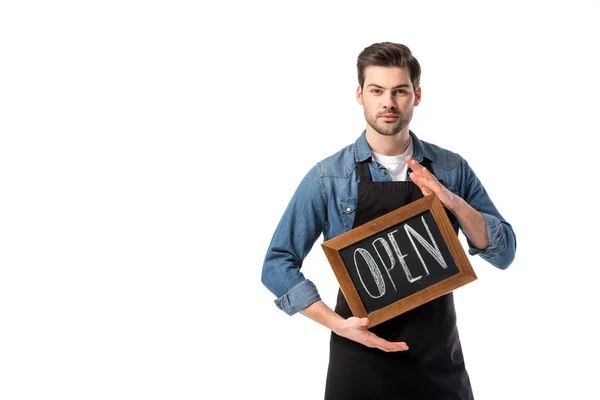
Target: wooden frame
x,y
333,247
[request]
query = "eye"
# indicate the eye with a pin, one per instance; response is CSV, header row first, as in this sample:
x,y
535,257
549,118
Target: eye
x,y
376,91
401,92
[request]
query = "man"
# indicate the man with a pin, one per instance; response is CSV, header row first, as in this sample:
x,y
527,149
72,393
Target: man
x,y
416,354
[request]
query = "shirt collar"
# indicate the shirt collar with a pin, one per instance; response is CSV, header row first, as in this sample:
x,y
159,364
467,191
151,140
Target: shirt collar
x,y
362,151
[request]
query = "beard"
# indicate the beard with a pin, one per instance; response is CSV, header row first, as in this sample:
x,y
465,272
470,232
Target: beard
x,y
389,128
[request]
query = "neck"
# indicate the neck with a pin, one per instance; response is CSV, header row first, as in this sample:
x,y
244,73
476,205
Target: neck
x,y
388,145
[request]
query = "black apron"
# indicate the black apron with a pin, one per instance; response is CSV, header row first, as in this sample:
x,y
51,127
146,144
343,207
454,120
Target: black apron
x,y
433,367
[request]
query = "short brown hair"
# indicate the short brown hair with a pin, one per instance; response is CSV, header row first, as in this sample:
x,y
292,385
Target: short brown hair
x,y
388,54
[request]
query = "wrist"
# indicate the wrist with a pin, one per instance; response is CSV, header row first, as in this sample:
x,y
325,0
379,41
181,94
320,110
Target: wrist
x,y
455,204
337,324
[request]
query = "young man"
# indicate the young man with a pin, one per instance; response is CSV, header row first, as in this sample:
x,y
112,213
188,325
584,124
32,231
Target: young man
x,y
416,354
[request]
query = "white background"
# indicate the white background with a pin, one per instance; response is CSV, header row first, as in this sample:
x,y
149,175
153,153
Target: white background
x,y
148,150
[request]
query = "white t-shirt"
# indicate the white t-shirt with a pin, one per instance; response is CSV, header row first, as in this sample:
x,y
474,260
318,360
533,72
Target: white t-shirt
x,y
395,164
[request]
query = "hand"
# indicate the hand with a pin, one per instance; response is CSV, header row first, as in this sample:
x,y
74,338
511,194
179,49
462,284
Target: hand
x,y
355,329
429,184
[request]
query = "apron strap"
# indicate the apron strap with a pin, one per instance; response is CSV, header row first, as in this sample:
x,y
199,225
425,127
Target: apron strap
x,y
365,183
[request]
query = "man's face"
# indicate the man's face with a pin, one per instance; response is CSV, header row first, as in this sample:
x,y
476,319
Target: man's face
x,y
388,99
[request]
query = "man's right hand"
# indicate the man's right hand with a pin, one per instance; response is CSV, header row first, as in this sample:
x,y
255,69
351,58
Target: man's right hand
x,y
355,329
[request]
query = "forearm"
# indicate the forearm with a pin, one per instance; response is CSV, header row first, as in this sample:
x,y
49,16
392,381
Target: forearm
x,y
472,223
321,313
488,234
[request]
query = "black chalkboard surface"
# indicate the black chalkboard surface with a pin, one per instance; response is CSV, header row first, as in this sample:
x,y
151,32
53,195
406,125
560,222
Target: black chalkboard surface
x,y
399,261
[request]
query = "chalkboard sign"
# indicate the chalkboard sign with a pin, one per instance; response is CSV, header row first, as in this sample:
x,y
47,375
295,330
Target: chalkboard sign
x,y
399,261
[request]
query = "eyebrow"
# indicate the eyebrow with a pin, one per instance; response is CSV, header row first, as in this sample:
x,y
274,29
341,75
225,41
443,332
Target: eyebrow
x,y
404,85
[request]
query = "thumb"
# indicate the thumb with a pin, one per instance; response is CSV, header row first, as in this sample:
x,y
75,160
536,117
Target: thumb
x,y
364,321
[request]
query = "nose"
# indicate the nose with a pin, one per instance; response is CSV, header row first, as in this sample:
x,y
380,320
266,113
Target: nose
x,y
388,100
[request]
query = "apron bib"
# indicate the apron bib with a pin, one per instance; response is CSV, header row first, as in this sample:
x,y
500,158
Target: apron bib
x,y
433,366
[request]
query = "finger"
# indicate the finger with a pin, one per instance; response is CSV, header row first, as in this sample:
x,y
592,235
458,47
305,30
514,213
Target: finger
x,y
397,346
423,179
415,166
394,346
420,182
416,178
385,345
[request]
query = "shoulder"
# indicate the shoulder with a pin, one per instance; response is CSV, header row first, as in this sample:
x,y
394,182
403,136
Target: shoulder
x,y
443,157
340,164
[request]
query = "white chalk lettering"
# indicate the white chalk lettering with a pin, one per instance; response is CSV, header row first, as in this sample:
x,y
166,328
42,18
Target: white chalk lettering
x,y
433,250
388,250
401,258
374,271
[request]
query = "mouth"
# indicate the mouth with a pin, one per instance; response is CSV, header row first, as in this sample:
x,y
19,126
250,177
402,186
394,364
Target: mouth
x,y
389,117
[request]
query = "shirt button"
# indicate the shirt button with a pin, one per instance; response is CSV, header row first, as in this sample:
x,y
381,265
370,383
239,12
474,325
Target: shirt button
x,y
385,172
348,209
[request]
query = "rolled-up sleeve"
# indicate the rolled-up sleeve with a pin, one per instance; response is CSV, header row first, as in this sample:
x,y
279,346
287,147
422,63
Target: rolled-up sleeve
x,y
300,226
299,297
502,245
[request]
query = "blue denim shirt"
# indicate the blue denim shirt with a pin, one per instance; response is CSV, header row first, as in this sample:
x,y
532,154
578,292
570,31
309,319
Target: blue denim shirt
x,y
325,202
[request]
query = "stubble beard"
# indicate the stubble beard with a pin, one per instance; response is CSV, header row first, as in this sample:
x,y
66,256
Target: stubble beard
x,y
389,128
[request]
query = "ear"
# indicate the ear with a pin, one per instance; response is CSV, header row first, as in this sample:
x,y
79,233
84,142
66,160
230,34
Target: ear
x,y
418,96
359,95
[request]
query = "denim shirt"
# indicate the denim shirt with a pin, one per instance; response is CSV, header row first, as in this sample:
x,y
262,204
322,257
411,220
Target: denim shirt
x,y
325,202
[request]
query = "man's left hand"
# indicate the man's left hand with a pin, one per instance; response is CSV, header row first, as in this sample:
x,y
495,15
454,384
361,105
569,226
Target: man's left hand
x,y
429,184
